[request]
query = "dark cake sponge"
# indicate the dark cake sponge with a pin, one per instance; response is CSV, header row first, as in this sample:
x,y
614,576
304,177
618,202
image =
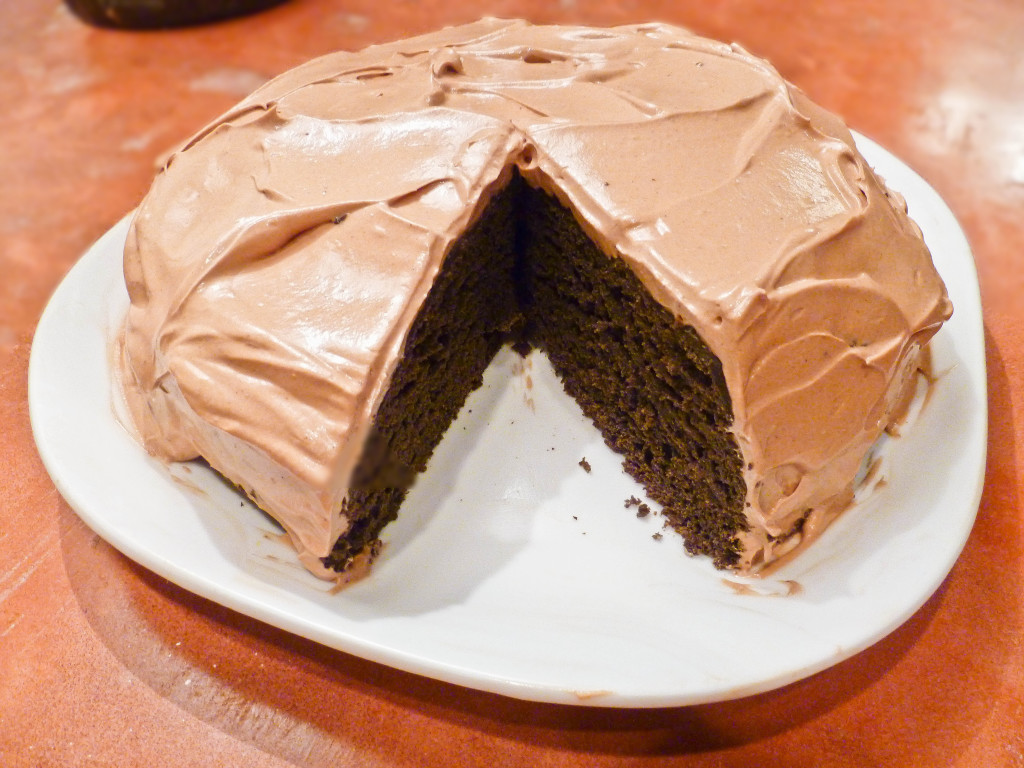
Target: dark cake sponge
x,y
526,273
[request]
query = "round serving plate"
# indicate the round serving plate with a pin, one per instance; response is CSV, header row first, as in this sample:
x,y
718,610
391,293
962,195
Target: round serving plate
x,y
512,569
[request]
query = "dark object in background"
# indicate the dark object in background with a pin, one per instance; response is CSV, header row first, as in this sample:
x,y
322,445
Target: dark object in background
x,y
161,14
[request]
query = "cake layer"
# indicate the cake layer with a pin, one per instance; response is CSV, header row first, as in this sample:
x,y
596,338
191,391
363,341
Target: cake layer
x,y
283,254
640,374
469,313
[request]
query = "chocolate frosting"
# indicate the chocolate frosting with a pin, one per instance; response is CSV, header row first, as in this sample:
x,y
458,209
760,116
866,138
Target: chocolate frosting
x,y
283,251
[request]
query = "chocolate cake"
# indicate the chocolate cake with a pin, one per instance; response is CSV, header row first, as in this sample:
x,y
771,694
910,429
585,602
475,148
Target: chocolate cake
x,y
319,278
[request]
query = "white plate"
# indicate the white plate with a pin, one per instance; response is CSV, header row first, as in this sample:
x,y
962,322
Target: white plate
x,y
513,570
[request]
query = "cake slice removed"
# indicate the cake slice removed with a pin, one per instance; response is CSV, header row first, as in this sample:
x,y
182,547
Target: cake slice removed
x,y
319,277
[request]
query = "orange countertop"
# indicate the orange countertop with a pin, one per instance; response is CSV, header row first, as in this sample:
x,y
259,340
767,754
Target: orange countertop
x,y
103,663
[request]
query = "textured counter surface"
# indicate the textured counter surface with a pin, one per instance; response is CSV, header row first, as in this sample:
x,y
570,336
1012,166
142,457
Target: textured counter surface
x,y
102,663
